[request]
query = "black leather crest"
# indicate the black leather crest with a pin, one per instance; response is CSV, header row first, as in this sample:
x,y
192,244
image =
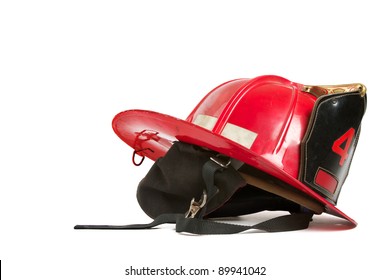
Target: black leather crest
x,y
330,142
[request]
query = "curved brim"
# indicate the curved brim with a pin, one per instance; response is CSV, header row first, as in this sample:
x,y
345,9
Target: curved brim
x,y
151,134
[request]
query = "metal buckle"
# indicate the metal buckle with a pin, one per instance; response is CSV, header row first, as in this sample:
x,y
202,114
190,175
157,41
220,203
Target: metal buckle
x,y
195,206
223,162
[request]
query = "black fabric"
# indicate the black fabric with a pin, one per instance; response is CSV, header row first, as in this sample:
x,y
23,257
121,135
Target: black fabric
x,y
177,178
250,200
173,181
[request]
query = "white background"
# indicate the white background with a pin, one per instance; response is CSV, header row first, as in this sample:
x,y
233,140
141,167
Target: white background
x,y
67,67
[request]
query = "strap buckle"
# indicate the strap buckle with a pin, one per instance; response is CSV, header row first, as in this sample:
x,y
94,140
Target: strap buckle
x,y
195,206
222,161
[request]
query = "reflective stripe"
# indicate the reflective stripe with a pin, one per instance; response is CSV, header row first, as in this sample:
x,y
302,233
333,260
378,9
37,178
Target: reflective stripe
x,y
233,132
239,135
204,121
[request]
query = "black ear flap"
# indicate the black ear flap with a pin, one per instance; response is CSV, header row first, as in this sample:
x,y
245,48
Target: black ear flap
x,y
330,142
173,180
178,177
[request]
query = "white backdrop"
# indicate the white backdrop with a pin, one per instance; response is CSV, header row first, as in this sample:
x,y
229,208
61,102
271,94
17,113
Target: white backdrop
x,y
67,67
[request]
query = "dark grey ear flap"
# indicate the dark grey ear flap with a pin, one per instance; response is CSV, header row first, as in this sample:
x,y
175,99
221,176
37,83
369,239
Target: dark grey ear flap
x,y
178,177
330,142
173,181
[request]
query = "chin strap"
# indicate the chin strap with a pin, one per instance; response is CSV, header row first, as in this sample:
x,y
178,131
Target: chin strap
x,y
193,221
295,221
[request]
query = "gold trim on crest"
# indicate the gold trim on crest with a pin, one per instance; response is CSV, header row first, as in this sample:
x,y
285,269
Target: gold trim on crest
x,y
329,89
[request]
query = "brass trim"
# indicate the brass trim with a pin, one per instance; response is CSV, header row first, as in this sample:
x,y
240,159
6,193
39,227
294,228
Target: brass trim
x,y
333,89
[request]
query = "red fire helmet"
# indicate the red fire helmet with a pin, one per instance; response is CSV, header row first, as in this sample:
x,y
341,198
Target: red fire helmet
x,y
304,136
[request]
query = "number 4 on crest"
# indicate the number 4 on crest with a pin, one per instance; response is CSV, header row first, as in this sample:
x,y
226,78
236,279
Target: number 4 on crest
x,y
346,138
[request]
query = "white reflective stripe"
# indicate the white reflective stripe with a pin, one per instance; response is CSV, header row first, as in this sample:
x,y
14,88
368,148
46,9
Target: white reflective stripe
x,y
207,122
233,132
239,135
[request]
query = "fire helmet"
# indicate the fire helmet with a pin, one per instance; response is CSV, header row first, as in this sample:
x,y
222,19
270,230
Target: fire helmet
x,y
287,139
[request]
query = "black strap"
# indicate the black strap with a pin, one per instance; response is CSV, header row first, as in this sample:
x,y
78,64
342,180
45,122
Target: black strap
x,y
162,219
208,173
295,221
